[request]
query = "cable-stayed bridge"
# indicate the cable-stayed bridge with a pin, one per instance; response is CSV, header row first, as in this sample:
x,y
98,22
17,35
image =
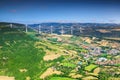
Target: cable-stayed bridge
x,y
48,29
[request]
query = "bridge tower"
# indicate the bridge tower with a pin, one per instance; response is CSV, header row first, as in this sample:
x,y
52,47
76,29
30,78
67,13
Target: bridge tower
x,y
51,29
11,26
39,29
26,29
71,30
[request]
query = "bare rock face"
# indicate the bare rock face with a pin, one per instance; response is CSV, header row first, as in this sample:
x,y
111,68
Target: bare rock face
x,y
104,43
115,45
87,39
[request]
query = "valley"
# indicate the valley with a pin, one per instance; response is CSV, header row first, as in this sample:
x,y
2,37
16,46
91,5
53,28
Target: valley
x,y
33,56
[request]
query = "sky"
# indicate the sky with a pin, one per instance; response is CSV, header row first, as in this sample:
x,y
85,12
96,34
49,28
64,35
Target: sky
x,y
38,11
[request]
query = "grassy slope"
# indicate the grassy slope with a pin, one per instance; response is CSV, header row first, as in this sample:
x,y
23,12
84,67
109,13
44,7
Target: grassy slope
x,y
18,52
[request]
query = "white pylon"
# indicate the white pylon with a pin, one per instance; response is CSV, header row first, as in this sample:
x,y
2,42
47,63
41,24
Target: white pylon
x,y
26,30
51,29
81,30
39,29
71,30
11,25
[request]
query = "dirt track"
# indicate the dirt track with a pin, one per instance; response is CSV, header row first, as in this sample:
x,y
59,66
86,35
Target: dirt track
x,y
49,72
51,57
6,78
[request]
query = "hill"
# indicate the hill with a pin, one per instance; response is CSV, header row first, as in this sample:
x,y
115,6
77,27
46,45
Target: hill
x,y
18,56
87,29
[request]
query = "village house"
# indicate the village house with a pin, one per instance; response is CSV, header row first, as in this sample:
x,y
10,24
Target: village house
x,y
113,51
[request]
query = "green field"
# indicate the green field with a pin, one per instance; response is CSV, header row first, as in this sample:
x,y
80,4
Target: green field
x,y
18,52
67,64
61,78
90,67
